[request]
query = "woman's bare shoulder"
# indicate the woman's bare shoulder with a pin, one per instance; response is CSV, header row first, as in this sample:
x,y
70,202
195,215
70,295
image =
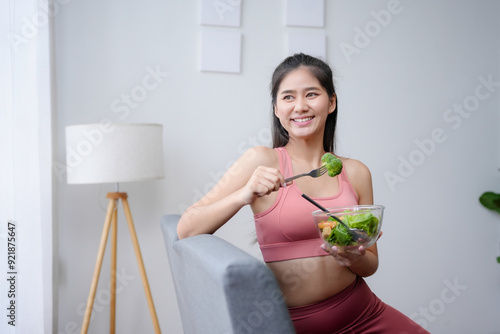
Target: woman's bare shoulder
x,y
360,178
355,167
260,156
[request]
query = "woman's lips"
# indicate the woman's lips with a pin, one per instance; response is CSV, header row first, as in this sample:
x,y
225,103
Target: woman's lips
x,y
302,120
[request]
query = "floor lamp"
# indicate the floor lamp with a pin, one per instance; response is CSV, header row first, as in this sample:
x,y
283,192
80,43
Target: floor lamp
x,y
114,153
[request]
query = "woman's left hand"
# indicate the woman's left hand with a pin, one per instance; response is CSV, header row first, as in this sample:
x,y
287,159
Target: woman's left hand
x,y
347,258
343,257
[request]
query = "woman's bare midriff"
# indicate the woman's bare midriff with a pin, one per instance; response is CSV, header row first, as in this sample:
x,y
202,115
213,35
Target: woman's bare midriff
x,y
310,280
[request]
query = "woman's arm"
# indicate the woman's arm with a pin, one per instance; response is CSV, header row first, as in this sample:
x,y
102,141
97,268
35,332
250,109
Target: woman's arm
x,y
366,263
245,181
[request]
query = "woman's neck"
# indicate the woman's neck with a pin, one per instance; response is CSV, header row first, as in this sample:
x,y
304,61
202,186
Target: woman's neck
x,y
306,153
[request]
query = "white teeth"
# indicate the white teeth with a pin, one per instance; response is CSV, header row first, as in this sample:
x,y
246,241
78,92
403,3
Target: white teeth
x,y
300,120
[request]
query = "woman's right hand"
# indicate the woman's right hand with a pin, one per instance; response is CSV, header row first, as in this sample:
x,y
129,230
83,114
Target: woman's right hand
x,y
263,181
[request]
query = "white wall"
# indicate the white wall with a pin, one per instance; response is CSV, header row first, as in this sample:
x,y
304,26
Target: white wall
x,y
26,180
394,93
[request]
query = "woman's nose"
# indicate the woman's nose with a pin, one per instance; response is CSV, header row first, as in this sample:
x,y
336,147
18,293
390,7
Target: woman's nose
x,y
300,104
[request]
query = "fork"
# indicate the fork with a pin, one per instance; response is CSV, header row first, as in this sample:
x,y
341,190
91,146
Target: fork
x,y
314,173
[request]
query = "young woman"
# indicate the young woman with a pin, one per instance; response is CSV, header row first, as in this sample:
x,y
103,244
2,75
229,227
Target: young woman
x,y
324,289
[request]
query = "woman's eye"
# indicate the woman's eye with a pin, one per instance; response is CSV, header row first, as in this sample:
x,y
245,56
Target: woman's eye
x,y
287,97
312,94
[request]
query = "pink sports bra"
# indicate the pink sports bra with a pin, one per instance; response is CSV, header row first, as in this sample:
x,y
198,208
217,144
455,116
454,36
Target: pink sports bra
x,y
286,230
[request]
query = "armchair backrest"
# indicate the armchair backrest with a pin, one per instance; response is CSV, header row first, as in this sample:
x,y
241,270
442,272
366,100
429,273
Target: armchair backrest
x,y
222,289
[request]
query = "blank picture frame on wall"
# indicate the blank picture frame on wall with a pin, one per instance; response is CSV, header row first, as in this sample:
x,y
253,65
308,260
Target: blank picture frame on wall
x,y
305,13
220,12
220,51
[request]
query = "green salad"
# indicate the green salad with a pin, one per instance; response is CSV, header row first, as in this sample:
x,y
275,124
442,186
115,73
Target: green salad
x,y
337,234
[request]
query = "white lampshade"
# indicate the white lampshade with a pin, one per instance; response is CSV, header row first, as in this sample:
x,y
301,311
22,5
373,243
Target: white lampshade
x,y
112,153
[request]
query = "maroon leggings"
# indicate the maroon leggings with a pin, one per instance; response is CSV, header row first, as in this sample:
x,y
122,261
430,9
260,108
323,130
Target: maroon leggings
x,y
355,309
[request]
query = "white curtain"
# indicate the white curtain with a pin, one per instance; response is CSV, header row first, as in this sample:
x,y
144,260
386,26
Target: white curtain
x,y
26,192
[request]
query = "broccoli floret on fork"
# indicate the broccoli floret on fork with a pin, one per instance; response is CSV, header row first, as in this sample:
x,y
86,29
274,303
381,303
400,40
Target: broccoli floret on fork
x,y
332,163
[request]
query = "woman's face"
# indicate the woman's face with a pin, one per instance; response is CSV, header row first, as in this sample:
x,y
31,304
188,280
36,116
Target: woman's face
x,y
302,104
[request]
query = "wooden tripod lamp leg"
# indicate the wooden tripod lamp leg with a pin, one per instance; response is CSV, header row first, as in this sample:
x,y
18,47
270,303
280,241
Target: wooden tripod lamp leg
x,y
112,310
97,269
141,265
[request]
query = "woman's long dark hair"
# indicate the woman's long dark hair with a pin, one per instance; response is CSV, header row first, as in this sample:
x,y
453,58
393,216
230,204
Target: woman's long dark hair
x,y
323,73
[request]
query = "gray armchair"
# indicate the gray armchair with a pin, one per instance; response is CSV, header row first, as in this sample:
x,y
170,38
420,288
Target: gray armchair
x,y
222,289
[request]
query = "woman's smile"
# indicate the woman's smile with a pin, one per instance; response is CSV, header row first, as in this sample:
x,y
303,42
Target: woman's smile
x,y
302,120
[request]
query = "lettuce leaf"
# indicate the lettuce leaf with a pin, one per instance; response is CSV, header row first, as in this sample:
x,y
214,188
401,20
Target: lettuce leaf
x,y
339,236
364,221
